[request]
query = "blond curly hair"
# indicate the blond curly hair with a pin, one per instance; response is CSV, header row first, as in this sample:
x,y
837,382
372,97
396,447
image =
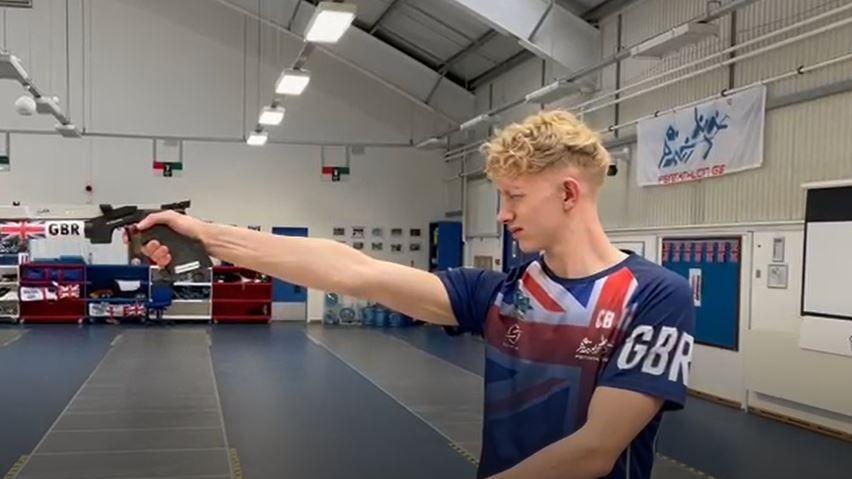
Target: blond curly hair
x,y
543,140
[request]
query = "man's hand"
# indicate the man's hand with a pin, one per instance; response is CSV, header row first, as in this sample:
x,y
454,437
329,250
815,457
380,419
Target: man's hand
x,y
182,224
616,417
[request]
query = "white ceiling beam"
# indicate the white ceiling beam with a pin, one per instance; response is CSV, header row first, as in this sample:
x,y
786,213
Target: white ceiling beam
x,y
543,27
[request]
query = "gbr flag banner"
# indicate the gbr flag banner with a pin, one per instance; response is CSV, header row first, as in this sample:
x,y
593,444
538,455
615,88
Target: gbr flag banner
x,y
712,139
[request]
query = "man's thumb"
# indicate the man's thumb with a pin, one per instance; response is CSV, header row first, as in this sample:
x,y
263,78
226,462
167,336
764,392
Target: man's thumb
x,y
147,221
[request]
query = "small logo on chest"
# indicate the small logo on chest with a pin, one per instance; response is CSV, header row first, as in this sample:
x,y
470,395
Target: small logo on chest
x,y
522,303
594,350
513,335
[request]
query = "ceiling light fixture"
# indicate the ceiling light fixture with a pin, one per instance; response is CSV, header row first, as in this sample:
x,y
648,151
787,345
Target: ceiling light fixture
x,y
329,22
292,81
257,138
271,115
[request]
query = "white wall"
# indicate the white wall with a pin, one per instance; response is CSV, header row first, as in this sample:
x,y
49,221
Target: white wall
x,y
161,68
780,374
804,142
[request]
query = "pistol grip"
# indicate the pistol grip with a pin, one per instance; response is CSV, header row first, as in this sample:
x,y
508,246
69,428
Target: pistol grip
x,y
187,254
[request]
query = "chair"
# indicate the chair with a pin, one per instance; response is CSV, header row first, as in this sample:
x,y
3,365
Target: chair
x,y
160,300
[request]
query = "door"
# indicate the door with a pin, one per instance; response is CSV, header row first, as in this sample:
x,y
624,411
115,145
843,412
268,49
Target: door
x,y
445,245
289,301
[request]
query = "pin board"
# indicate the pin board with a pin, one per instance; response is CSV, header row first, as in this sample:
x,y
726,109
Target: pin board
x,y
712,267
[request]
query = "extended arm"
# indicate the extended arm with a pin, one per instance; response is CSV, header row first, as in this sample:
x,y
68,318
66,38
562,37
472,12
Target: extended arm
x,y
314,263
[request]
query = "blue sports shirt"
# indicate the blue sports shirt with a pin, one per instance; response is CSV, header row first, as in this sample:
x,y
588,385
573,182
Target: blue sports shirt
x,y
551,341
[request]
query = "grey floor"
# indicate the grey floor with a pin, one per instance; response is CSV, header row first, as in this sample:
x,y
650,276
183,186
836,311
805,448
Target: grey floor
x,y
289,401
149,409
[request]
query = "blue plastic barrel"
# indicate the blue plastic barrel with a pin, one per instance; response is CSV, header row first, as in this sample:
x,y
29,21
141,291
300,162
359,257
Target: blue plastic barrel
x,y
368,316
381,317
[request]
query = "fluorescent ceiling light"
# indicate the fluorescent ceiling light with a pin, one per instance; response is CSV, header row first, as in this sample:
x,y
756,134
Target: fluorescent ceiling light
x,y
257,138
329,22
11,68
482,119
292,82
431,144
68,131
271,115
552,92
675,39
48,106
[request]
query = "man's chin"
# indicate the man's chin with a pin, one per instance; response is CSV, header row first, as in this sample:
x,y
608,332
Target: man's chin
x,y
527,247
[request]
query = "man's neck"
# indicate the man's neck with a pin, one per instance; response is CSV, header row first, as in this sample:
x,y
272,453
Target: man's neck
x,y
583,250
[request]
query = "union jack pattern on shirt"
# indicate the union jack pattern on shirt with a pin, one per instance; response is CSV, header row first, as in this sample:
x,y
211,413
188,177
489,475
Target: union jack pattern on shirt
x,y
551,341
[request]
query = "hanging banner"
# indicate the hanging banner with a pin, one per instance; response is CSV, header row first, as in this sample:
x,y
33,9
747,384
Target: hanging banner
x,y
712,139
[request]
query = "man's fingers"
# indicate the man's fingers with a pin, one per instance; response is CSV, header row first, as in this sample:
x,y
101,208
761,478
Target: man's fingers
x,y
150,247
160,218
161,256
164,261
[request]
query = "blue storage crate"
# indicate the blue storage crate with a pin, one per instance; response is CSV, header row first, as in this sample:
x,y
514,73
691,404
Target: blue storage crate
x,y
381,317
368,316
395,320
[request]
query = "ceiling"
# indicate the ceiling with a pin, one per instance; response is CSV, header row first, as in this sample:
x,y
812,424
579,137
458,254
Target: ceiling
x,y
441,34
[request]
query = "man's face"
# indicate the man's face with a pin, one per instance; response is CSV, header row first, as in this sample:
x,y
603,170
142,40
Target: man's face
x,y
533,208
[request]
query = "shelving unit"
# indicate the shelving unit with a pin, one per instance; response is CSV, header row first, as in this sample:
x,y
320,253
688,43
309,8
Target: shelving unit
x,y
192,296
223,294
116,291
241,295
52,277
10,305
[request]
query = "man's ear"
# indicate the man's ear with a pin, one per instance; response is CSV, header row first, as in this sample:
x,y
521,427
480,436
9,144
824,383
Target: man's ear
x,y
570,193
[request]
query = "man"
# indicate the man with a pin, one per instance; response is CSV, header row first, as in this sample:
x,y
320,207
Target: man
x,y
586,345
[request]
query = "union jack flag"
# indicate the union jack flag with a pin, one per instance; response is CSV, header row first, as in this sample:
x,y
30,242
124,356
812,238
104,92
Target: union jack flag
x,y
678,247
559,341
134,310
721,251
22,229
68,291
